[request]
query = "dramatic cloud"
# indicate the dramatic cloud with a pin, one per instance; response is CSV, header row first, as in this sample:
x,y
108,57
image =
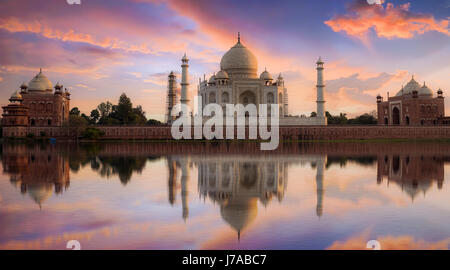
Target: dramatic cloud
x,y
402,242
388,21
360,88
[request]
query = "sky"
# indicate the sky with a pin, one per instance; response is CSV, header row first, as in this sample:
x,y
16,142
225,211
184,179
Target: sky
x,y
101,48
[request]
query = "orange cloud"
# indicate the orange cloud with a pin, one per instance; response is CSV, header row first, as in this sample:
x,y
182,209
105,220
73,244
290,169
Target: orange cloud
x,y
402,242
387,21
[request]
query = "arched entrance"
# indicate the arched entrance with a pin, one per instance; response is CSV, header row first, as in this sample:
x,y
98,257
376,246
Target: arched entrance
x,y
248,97
395,116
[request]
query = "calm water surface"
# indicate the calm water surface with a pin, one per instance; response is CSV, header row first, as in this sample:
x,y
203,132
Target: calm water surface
x,y
225,196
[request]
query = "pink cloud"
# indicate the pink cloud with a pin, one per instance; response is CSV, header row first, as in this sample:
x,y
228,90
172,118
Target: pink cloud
x,y
387,21
390,242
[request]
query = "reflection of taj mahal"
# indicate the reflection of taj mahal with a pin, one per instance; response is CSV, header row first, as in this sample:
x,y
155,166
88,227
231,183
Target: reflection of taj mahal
x,y
238,182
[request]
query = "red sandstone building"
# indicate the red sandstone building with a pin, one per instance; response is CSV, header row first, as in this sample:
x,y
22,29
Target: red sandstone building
x,y
37,105
413,105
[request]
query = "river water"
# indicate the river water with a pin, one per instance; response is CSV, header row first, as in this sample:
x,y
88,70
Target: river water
x,y
123,195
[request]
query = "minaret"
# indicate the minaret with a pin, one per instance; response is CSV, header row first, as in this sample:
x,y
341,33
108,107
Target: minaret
x,y
320,86
184,80
319,186
171,97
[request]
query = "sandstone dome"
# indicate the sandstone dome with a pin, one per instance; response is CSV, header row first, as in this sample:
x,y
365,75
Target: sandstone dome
x,y
239,60
40,83
16,96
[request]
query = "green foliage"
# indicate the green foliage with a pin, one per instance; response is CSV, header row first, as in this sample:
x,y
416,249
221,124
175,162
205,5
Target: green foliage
x,y
75,111
77,121
92,133
341,119
95,115
365,119
153,122
121,114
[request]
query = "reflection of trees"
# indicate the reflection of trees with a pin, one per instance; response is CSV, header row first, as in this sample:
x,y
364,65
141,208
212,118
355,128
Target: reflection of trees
x,y
343,160
107,165
124,167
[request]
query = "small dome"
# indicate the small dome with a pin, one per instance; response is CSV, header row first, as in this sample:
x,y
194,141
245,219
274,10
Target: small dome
x,y
239,60
240,213
425,91
40,83
16,96
212,79
222,75
440,91
280,78
58,86
411,86
265,75
23,86
40,192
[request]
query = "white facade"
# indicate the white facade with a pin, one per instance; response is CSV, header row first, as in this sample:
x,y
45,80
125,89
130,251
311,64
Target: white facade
x,y
237,82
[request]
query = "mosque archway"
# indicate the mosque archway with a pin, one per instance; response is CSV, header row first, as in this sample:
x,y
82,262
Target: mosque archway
x,y
212,97
248,97
270,98
248,173
395,116
225,97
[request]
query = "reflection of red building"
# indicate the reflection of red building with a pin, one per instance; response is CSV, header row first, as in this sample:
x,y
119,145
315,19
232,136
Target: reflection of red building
x,y
36,170
414,174
412,105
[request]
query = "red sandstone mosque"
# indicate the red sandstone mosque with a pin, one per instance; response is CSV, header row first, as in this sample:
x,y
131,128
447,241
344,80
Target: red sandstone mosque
x,y
413,105
36,104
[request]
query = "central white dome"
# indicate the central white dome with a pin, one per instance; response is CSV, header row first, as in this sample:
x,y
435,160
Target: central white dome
x,y
239,60
41,83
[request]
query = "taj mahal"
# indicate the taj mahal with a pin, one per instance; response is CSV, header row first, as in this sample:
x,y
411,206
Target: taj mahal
x,y
237,82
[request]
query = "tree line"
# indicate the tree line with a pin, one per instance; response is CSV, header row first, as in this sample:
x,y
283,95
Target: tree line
x,y
341,119
108,114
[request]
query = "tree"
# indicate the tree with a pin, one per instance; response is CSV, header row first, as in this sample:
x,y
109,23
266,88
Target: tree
x,y
75,111
153,122
77,121
124,109
105,109
92,133
313,114
95,116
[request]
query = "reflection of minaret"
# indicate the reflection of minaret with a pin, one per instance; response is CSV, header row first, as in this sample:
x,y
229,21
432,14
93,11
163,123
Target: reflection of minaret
x,y
184,188
319,186
172,179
